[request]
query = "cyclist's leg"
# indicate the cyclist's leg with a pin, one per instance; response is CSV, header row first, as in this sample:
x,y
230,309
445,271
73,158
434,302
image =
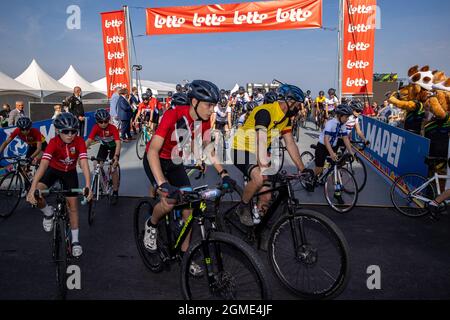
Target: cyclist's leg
x,y
320,156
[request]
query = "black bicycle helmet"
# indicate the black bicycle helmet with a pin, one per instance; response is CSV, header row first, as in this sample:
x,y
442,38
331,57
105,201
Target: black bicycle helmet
x,y
66,120
290,92
180,99
24,123
203,90
223,101
169,94
251,105
332,91
102,115
241,90
344,110
145,96
178,88
308,92
357,105
321,93
270,97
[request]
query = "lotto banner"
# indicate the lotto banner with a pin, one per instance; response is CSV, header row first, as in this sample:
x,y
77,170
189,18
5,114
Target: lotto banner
x,y
358,46
116,50
237,17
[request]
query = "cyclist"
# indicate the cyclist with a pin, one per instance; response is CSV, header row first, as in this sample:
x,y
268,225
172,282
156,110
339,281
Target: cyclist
x,y
149,110
330,103
334,129
257,96
353,122
168,102
308,102
32,136
241,99
221,118
59,164
250,106
179,88
110,145
319,109
180,99
252,140
165,174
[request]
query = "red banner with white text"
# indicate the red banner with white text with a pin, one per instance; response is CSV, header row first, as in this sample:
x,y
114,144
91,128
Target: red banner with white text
x,y
116,50
237,17
358,46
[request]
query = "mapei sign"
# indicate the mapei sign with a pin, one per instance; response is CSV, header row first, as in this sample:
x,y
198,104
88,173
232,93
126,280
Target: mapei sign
x,y
394,151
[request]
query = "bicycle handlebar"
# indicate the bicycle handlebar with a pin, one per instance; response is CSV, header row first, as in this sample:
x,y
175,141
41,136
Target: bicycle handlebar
x,y
84,192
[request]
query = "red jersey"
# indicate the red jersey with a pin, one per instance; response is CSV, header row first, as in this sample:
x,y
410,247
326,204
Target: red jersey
x,y
63,156
33,137
168,125
150,106
107,136
168,102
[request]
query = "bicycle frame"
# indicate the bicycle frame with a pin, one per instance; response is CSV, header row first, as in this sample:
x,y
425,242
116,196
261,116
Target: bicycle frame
x,y
434,179
101,178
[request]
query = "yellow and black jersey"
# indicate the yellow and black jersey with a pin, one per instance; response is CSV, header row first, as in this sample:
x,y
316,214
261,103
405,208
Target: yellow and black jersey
x,y
268,117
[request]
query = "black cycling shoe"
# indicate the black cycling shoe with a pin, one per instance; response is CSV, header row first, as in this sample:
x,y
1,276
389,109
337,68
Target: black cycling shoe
x,y
114,198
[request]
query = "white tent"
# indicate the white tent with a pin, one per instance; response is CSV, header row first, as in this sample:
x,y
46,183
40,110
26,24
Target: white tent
x,y
157,87
72,79
100,84
8,84
38,79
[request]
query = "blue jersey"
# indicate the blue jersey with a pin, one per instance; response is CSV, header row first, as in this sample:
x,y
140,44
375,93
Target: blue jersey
x,y
334,129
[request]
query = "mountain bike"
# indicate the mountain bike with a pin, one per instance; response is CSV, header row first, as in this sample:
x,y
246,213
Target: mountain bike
x,y
102,184
306,250
232,268
340,187
15,184
411,193
61,241
145,135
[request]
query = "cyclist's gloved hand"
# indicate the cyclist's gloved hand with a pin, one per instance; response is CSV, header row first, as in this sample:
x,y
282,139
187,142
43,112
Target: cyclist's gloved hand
x,y
228,182
171,191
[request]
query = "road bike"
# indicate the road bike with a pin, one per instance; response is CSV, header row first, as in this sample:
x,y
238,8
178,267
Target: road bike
x,y
145,135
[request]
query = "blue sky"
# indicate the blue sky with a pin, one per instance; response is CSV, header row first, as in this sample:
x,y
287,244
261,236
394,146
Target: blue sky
x,y
412,32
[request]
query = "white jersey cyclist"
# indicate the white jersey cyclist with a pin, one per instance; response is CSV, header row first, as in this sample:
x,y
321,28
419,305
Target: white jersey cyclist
x,y
332,103
334,129
351,123
222,113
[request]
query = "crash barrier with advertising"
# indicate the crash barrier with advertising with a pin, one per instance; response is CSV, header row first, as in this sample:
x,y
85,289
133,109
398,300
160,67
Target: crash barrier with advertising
x,y
18,148
394,151
38,111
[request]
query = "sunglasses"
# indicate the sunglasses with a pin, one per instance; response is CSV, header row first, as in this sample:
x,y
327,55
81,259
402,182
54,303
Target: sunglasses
x,y
102,122
68,132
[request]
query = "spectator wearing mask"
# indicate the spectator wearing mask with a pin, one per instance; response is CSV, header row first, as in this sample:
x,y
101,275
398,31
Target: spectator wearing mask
x,y
4,115
75,107
113,110
125,114
16,114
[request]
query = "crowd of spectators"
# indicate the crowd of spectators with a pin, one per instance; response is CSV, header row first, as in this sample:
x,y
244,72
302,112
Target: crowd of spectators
x,y
387,113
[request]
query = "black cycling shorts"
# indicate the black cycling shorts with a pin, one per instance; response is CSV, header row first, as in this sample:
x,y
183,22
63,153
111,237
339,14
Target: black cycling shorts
x,y
321,154
175,173
32,149
105,152
155,118
244,161
69,180
220,126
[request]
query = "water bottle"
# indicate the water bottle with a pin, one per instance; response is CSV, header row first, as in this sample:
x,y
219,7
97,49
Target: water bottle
x,y
338,189
211,194
256,215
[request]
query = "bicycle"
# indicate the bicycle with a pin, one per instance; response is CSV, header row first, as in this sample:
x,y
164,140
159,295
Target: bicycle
x,y
15,184
61,241
219,253
340,187
415,191
145,135
300,241
102,185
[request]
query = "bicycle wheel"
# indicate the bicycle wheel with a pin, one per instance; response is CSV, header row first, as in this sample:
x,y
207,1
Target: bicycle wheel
x,y
60,257
11,188
140,145
233,271
341,194
142,213
405,201
309,255
359,171
93,203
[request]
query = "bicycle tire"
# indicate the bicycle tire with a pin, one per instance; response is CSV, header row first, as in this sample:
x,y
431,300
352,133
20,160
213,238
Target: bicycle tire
x,y
140,146
418,209
152,261
361,177
60,257
342,266
224,245
93,203
10,196
346,189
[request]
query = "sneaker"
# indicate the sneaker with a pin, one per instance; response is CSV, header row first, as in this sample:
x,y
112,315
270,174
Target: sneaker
x,y
150,237
77,250
47,223
114,198
196,270
245,216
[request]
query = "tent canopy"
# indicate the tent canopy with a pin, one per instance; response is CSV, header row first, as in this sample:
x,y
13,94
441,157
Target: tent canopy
x,y
9,85
72,79
156,87
35,77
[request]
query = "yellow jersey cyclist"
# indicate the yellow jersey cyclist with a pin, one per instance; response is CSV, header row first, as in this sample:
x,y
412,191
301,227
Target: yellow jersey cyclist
x,y
251,142
169,177
319,105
